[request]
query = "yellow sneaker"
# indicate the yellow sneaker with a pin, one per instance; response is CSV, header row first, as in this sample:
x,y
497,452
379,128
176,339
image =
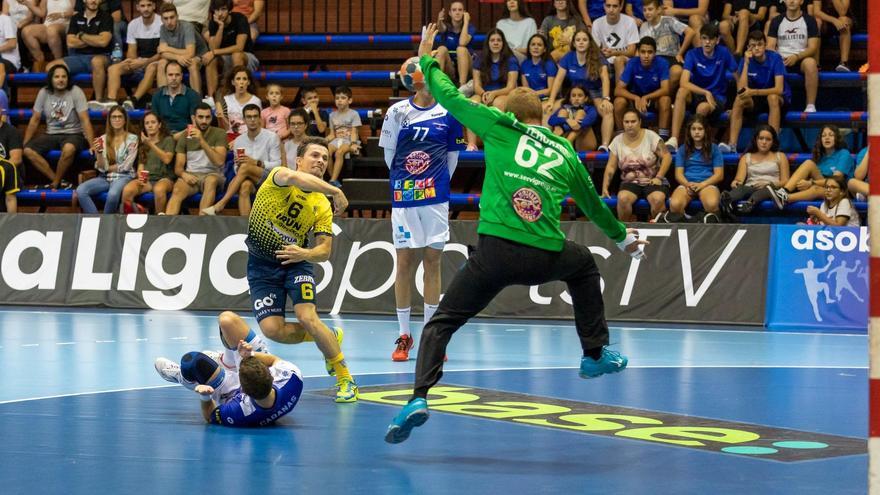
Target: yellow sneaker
x,y
346,391
337,331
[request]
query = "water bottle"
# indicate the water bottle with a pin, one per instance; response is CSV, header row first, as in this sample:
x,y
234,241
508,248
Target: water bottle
x,y
116,55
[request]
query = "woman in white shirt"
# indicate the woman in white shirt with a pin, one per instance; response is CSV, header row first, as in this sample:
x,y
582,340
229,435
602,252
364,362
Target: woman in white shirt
x,y
56,15
517,26
240,91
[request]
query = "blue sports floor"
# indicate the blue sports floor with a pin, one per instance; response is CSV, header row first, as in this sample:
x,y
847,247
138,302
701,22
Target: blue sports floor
x,y
702,411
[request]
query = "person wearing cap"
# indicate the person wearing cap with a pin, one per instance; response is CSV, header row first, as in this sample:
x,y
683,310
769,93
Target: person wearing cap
x,y
10,156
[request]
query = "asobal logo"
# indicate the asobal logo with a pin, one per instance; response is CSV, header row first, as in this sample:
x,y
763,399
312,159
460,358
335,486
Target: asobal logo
x,y
707,434
842,240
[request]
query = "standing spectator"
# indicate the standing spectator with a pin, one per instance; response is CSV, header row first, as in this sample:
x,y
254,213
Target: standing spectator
x,y
10,156
456,35
703,82
115,159
495,73
10,60
120,25
696,12
574,120
761,87
275,115
644,161
858,185
174,103
741,16
201,155
616,34
56,15
241,90
830,158
179,41
517,26
644,85
699,168
194,12
834,16
67,126
253,11
296,123
584,66
538,71
761,169
837,209
796,37
317,121
156,158
666,31
262,153
560,27
229,40
344,134
141,56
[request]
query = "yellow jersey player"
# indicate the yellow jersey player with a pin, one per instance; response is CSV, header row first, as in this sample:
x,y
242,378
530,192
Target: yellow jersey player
x,y
290,205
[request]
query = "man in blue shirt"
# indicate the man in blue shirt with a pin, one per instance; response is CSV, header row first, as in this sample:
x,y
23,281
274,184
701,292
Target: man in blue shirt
x,y
761,88
703,85
644,85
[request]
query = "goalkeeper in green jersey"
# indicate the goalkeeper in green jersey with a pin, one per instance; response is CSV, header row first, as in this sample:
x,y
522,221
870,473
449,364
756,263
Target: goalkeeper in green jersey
x,y
529,171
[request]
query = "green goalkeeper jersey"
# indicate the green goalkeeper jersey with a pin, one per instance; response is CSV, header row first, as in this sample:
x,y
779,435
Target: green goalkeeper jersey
x,y
529,171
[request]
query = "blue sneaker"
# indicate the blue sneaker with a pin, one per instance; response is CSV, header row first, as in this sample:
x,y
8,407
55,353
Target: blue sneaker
x,y
413,414
609,362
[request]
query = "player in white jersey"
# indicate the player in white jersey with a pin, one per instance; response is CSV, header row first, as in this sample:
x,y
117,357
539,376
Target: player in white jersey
x,y
421,142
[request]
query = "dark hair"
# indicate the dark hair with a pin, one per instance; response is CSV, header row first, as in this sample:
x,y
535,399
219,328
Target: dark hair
x,y
306,90
572,12
619,2
163,133
220,4
647,40
841,182
567,99
520,6
154,2
252,83
655,3
111,133
167,7
753,145
250,107
594,64
756,35
173,62
255,379
544,56
51,74
839,143
634,112
316,140
710,31
202,106
486,58
299,112
689,144
343,90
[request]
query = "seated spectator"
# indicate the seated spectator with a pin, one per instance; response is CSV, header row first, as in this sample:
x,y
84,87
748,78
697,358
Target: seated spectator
x,y
141,57
666,31
115,159
120,25
591,10
795,36
10,60
317,118
257,152
229,41
89,39
201,155
275,115
574,120
19,12
155,165
761,88
253,12
699,168
10,156
180,42
195,12
67,126
837,209
174,102
538,71
740,17
644,161
858,185
585,66
344,134
833,17
830,157
636,10
560,27
761,169
240,90
695,12
616,34
456,34
704,80
495,74
296,123
518,26
56,15
644,86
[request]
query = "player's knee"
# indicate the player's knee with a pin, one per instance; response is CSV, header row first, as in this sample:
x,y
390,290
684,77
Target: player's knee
x,y
227,320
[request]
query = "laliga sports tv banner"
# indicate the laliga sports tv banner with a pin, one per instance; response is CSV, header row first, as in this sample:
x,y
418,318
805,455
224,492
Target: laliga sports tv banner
x,y
820,277
699,273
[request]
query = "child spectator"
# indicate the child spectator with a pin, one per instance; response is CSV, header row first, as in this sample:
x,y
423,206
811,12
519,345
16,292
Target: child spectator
x,y
703,81
761,169
695,12
296,123
115,159
517,26
10,60
155,165
830,157
858,185
796,37
495,74
834,16
666,31
241,90
142,45
200,157
179,41
560,27
761,87
644,161
456,34
837,209
574,120
89,38
616,34
275,115
56,15
644,85
229,41
699,168
538,71
344,135
253,11
741,16
316,125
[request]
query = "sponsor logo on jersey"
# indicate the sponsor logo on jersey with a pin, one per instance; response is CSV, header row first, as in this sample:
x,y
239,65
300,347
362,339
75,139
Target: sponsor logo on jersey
x,y
398,195
420,184
430,192
417,162
304,279
527,204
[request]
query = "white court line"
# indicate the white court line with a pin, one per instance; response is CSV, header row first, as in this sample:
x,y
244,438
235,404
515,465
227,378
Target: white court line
x,y
30,345
65,343
105,341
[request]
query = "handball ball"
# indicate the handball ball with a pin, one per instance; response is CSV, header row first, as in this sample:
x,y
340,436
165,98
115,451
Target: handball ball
x,y
411,75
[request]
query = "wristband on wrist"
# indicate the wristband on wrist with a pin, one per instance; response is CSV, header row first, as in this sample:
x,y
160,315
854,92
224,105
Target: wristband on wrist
x,y
205,397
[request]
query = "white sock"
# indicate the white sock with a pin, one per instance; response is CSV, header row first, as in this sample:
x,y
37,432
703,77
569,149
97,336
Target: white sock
x,y
403,320
430,309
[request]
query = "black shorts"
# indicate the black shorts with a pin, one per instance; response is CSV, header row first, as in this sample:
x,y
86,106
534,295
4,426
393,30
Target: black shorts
x,y
760,105
9,178
721,103
44,143
670,60
644,191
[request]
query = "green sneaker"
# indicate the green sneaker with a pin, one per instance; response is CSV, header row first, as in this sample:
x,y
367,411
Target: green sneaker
x,y
346,391
337,332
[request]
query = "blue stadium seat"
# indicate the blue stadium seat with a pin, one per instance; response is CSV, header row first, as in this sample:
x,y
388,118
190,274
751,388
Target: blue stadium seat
x,y
22,115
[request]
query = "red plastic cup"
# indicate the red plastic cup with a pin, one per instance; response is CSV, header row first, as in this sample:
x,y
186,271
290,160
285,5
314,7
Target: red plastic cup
x,y
189,129
239,153
144,176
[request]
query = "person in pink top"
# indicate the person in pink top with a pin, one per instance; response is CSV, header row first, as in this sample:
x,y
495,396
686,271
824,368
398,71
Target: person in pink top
x,y
275,115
